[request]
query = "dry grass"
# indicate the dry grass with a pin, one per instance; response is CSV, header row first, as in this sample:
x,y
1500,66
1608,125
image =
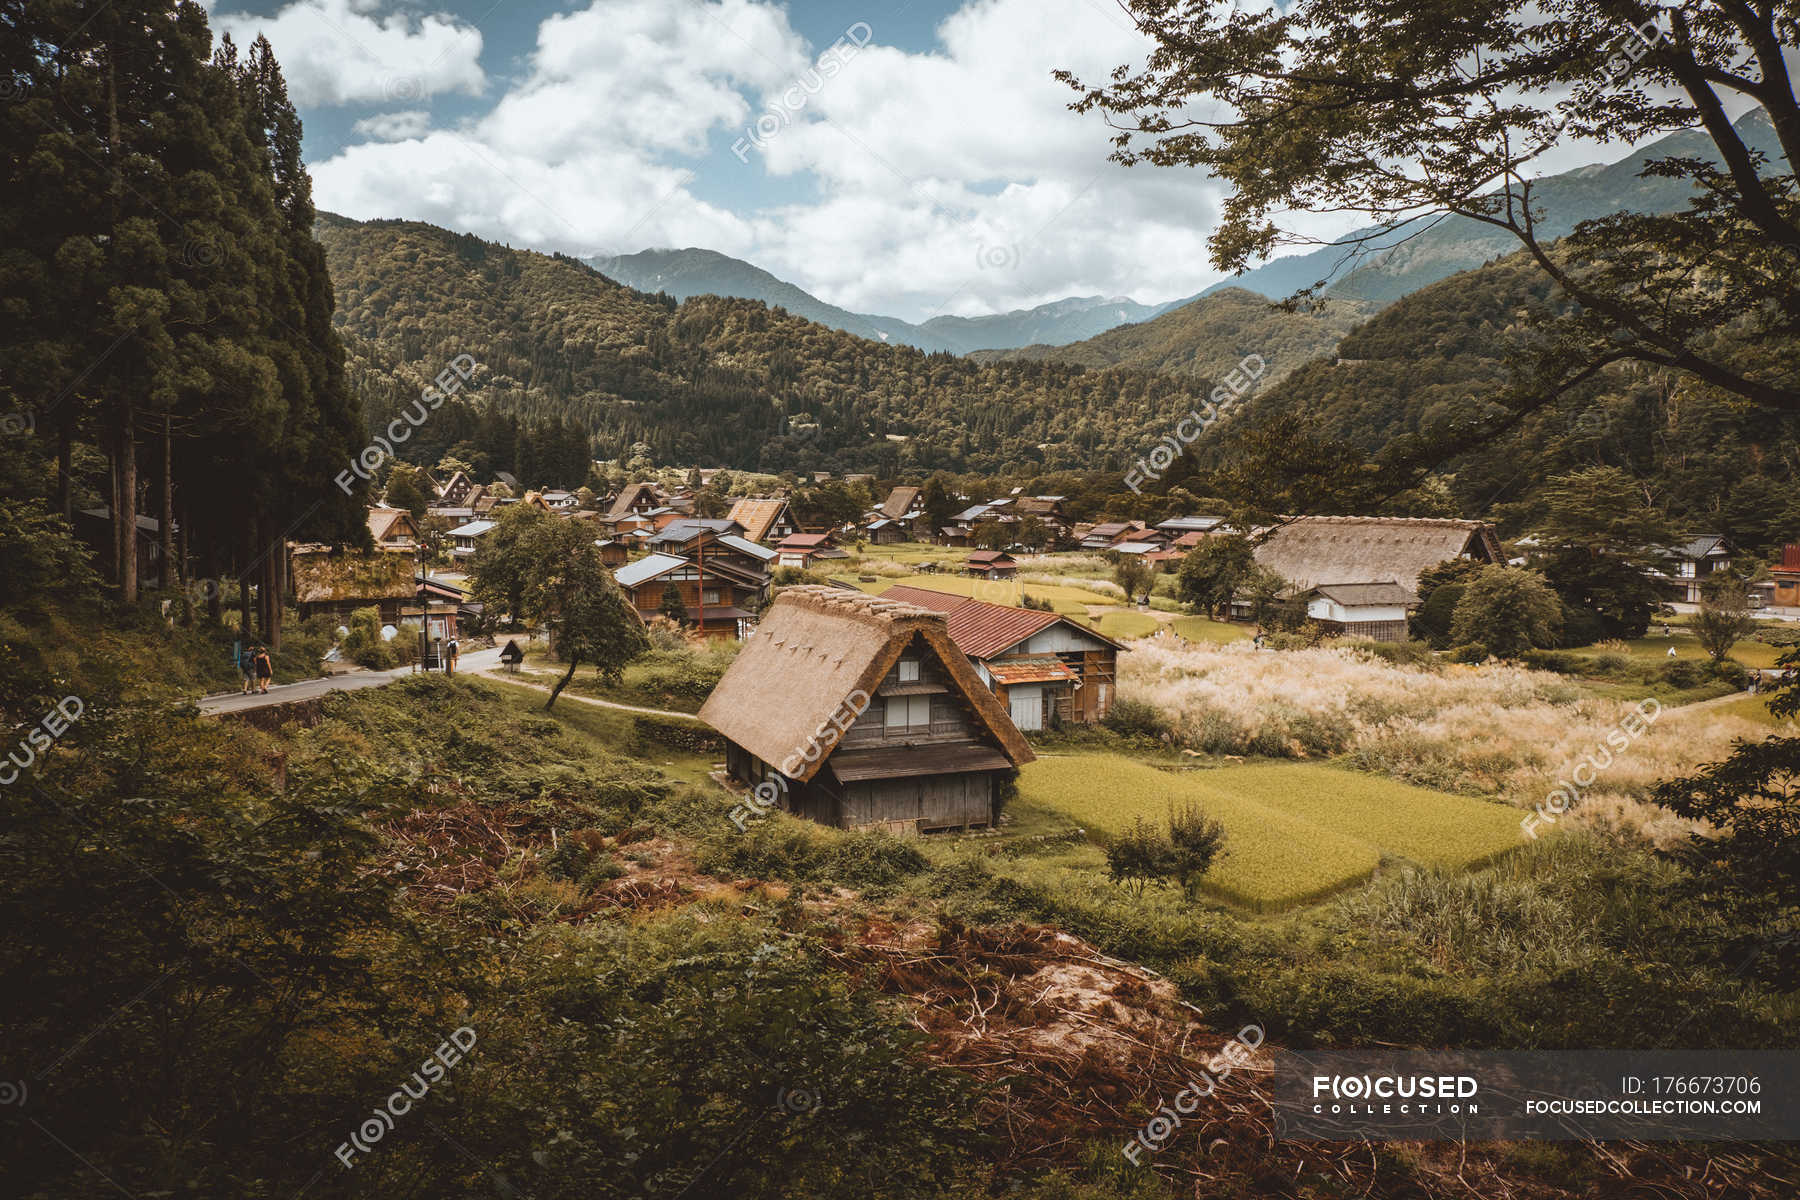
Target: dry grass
x,y
1495,731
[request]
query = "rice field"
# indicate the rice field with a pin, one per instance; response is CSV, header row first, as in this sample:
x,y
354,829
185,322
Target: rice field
x,y
1204,629
1124,625
1293,833
1655,648
1504,733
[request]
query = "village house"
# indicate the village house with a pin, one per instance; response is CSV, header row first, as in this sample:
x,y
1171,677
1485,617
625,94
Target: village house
x,y
991,564
1376,611
332,583
393,529
764,519
466,539
560,501
1385,555
1785,579
1685,569
860,712
803,549
457,491
900,503
612,553
1104,535
638,499
884,531
1045,668
720,597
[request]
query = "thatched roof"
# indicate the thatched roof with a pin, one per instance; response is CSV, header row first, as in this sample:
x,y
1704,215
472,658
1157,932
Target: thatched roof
x,y
817,647
757,516
1309,551
899,502
325,578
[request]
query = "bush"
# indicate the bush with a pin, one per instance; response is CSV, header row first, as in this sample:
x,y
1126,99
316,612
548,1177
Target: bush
x,y
1403,654
1470,652
648,732
1139,855
1137,718
1683,673
1195,841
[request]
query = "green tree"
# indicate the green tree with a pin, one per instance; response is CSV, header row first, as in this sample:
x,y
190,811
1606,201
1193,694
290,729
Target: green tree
x,y
1213,571
573,593
672,605
1133,575
1507,610
1746,862
1724,618
1195,841
989,534
404,490
1599,533
505,563
1409,114
1139,855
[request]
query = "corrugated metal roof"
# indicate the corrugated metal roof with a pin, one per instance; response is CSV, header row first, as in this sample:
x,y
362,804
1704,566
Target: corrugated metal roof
x,y
632,574
1035,668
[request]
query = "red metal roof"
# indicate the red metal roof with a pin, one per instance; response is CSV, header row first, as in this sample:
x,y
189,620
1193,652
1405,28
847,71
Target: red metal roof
x,y
979,629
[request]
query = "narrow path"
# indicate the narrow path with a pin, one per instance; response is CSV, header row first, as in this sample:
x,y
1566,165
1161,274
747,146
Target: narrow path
x,y
474,662
499,676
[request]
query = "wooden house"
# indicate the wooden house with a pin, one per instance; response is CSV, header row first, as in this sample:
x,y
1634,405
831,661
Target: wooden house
x,y
865,715
804,549
900,502
466,539
457,491
1785,578
1363,610
393,529
720,598
1044,667
1381,553
1685,569
991,564
336,584
885,531
612,553
764,520
636,499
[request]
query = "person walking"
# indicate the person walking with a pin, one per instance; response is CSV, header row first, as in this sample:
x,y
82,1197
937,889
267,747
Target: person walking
x,y
246,667
265,670
450,653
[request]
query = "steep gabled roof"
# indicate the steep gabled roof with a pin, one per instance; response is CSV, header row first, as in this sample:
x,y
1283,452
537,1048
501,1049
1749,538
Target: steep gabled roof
x,y
383,521
818,648
628,495
898,502
985,630
1309,551
1357,595
757,516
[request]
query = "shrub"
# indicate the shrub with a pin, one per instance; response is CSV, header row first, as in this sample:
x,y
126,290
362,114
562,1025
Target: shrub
x,y
1407,654
1470,652
1195,840
1137,718
1139,855
648,731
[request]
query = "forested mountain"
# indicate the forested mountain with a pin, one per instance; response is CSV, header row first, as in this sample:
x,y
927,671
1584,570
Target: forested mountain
x,y
718,381
1439,357
684,274
1208,337
1438,248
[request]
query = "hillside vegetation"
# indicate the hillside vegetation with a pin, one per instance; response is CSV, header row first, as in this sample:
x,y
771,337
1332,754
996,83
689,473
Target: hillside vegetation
x,y
711,380
1209,337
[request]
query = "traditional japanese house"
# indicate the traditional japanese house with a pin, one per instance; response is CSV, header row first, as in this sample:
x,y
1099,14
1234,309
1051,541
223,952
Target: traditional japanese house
x,y
862,713
1044,667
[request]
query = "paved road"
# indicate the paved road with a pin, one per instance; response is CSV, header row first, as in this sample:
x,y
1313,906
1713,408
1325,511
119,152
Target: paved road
x,y
474,661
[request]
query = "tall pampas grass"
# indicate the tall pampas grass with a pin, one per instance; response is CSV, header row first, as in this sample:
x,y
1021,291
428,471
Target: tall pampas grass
x,y
1499,731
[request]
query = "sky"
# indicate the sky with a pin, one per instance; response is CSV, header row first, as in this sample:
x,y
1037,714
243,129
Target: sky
x,y
911,159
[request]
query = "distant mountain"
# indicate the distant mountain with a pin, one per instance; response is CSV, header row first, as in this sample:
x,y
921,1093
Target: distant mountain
x,y
699,272
710,379
1439,250
1208,337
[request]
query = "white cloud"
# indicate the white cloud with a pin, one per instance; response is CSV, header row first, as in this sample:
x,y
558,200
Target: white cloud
x,y
395,126
336,52
954,181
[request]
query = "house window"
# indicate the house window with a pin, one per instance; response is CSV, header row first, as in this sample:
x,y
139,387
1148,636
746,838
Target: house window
x,y
709,596
908,712
1687,568
909,670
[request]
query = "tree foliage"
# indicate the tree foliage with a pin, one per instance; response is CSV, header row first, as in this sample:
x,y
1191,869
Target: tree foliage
x,y
1507,610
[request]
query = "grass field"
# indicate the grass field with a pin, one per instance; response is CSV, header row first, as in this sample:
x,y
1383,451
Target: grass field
x,y
1203,629
1751,708
1126,624
1656,648
1294,833
1069,601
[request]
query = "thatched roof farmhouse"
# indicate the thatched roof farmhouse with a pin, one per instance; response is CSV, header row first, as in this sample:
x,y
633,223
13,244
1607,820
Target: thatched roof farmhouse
x,y
865,715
